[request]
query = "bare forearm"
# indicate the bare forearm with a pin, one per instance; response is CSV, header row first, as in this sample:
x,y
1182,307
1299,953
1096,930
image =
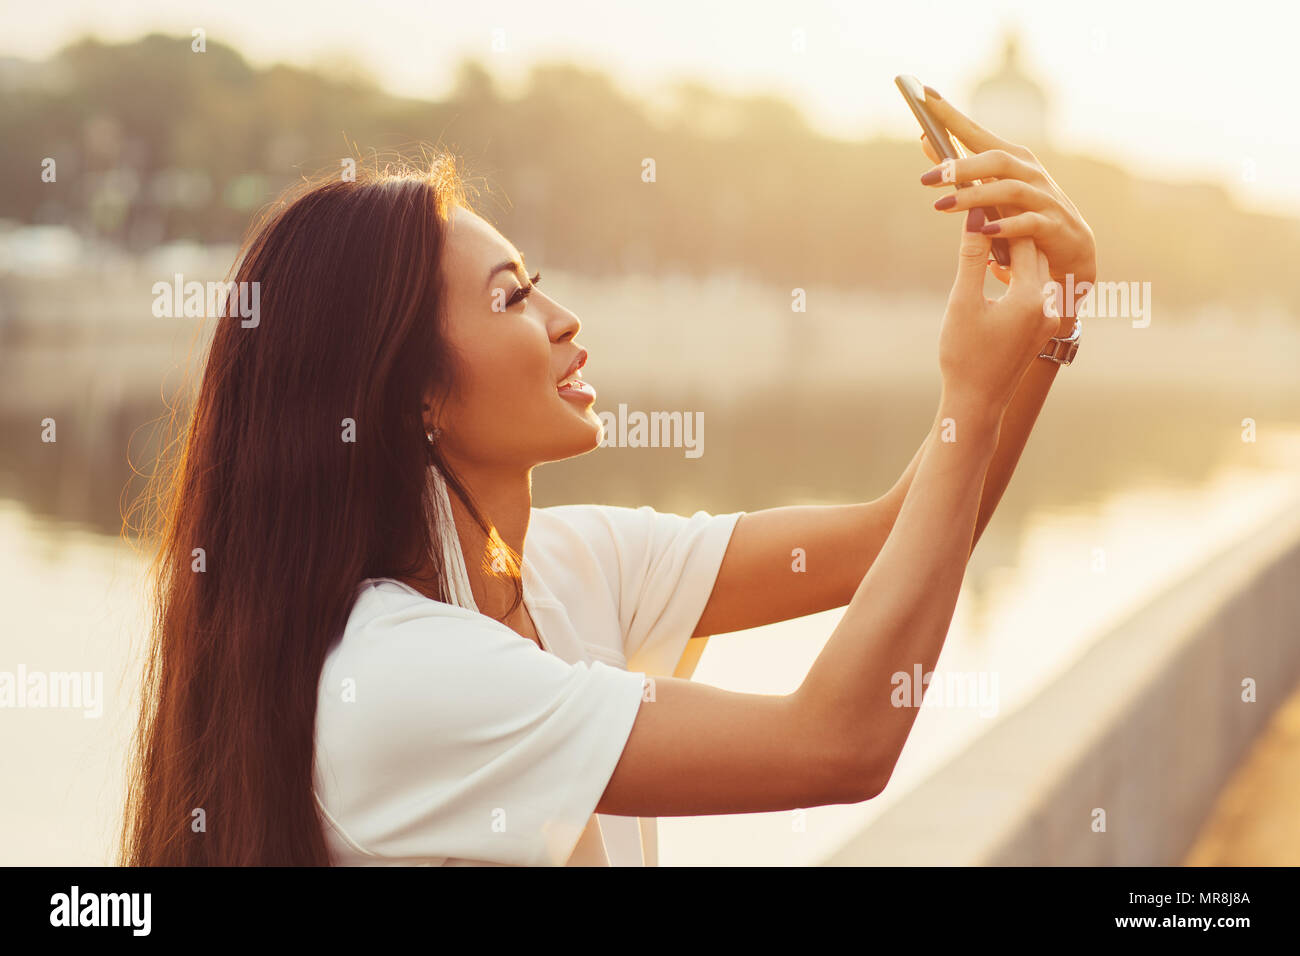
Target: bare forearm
x,y
1017,422
900,613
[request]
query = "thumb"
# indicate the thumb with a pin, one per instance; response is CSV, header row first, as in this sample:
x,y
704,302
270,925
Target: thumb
x,y
973,257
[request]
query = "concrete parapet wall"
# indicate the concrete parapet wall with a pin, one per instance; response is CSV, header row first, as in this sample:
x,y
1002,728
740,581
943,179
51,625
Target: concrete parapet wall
x,y
1146,726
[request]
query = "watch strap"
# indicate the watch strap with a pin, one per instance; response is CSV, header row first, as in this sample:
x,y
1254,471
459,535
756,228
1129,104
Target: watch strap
x,y
1062,350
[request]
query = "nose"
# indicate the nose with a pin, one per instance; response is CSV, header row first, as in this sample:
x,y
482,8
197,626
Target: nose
x,y
562,325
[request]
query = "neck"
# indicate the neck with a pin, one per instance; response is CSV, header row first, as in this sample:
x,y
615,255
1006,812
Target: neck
x,y
505,499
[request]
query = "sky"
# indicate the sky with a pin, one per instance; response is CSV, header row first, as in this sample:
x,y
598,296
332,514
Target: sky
x,y
1188,91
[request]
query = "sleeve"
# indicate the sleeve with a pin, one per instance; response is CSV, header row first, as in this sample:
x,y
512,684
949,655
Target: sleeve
x,y
661,567
464,740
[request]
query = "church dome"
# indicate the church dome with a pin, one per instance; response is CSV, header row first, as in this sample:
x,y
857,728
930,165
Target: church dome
x,y
1009,102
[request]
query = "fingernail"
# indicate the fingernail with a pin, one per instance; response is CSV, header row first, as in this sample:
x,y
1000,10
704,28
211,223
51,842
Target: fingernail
x,y
932,94
975,220
992,227
931,177
947,202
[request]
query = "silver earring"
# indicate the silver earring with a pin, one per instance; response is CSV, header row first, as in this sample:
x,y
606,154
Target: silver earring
x,y
433,435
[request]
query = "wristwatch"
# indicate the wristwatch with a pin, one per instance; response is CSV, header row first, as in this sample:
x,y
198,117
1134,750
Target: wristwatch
x,y
1062,351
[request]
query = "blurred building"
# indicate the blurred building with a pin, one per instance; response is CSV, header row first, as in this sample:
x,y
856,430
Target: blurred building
x,y
1009,101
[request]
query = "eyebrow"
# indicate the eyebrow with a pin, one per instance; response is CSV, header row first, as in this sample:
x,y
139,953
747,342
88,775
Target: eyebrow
x,y
510,264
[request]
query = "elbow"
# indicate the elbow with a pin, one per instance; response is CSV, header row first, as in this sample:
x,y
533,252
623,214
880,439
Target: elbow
x,y
862,775
842,767
872,781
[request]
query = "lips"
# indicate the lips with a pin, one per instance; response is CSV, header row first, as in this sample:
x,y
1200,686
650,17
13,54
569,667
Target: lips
x,y
572,385
571,372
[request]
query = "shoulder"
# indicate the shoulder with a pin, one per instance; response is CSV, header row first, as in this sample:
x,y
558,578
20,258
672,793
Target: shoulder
x,y
614,531
390,618
403,656
589,525
391,623
579,545
432,718
590,537
627,536
378,599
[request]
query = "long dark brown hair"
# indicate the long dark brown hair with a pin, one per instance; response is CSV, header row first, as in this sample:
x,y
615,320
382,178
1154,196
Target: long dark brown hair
x,y
268,517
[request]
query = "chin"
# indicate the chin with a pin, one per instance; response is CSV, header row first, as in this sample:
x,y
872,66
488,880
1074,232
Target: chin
x,y
576,437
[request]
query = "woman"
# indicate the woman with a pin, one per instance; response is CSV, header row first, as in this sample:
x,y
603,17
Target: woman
x,y
371,649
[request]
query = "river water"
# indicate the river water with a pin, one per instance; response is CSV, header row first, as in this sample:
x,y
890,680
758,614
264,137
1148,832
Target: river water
x,y
75,601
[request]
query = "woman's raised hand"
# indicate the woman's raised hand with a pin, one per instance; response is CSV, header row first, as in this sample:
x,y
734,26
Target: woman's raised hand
x,y
986,345
1013,179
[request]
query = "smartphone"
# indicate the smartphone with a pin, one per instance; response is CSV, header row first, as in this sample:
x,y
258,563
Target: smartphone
x,y
946,147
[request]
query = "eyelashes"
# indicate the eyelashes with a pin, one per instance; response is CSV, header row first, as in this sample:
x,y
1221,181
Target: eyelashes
x,y
525,291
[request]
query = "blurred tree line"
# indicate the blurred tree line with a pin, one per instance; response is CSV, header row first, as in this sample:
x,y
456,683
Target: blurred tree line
x,y
155,143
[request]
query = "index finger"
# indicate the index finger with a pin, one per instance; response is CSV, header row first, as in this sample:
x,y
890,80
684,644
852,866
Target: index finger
x,y
930,152
971,133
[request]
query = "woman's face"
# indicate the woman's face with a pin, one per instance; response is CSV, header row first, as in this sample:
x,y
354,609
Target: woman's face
x,y
512,352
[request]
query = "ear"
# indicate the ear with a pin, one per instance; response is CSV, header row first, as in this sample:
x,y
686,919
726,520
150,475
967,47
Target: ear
x,y
426,411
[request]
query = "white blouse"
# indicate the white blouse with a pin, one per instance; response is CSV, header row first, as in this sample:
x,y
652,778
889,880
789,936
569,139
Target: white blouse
x,y
443,737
